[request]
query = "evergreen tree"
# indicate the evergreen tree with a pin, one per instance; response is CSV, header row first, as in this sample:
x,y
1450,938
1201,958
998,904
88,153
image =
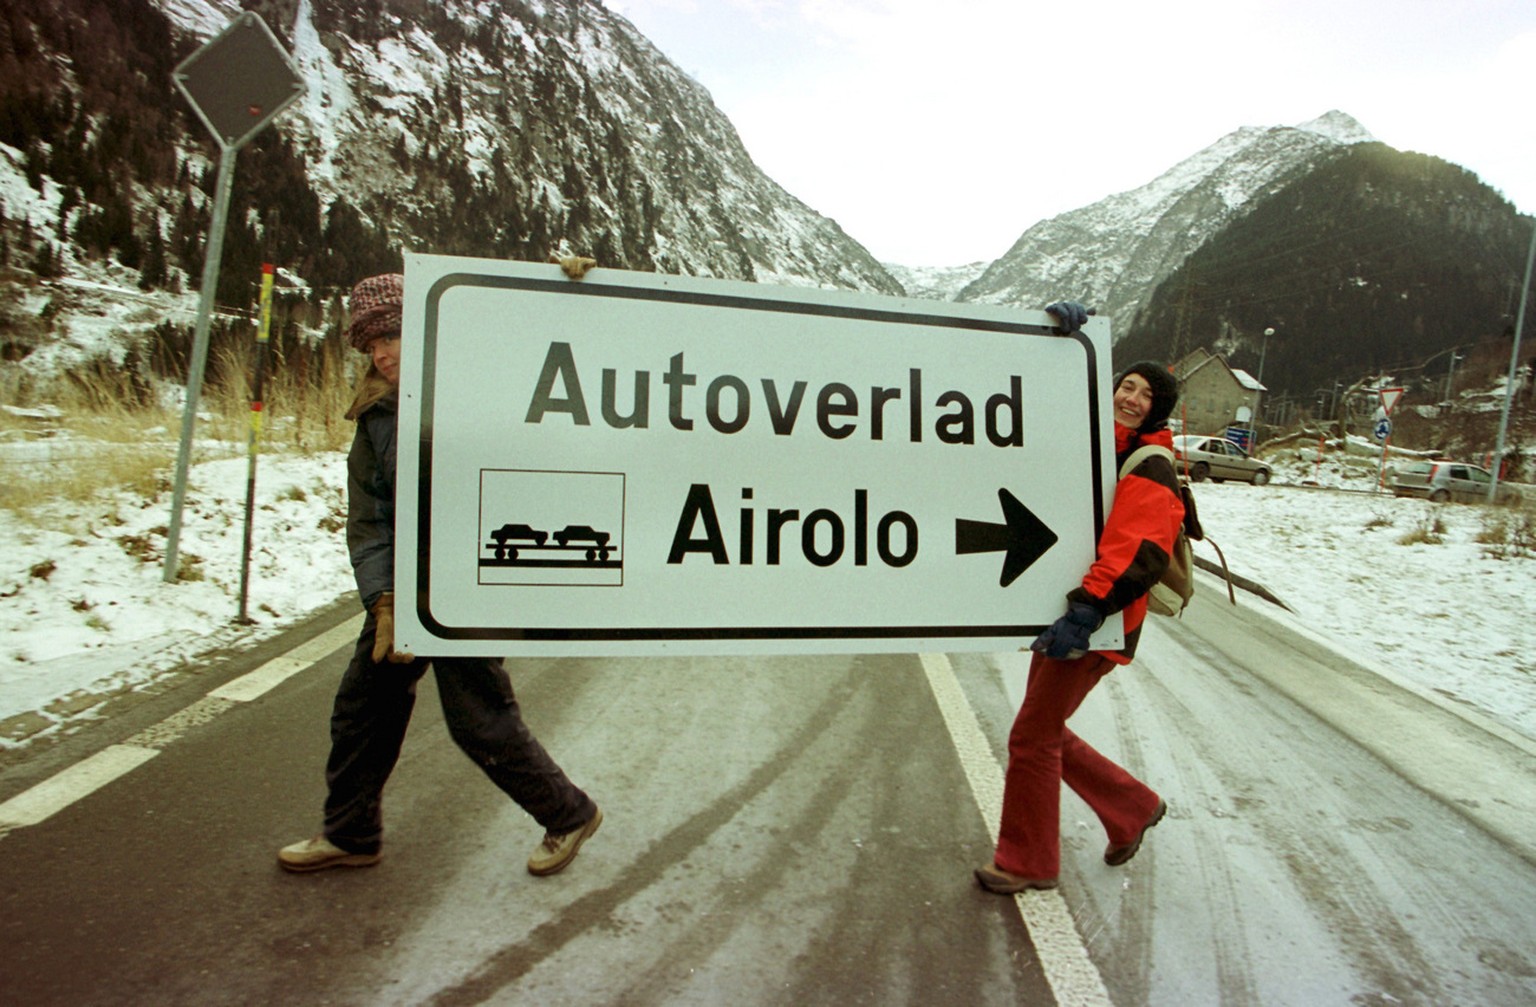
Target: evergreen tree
x,y
154,271
46,263
32,164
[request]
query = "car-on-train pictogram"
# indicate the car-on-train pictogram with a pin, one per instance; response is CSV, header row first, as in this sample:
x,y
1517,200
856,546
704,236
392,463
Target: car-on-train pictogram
x,y
512,539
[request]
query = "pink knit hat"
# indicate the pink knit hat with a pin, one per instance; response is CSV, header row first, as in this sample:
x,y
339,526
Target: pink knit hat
x,y
375,305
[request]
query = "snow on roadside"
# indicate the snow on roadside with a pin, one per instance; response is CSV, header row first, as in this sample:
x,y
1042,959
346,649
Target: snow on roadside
x,y
83,602
1399,585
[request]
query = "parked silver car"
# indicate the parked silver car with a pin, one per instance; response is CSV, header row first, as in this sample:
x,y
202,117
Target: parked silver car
x,y
1442,480
1216,458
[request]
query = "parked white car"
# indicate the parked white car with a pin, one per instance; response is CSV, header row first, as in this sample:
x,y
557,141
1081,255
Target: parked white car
x,y
1218,459
1442,480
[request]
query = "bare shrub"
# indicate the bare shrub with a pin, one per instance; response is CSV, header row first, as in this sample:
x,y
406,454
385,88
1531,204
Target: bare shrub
x,y
1508,533
1429,530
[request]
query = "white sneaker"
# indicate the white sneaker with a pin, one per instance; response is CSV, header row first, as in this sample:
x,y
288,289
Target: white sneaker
x,y
319,853
558,849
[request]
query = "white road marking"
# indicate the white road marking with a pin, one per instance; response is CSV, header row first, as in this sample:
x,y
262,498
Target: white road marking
x,y
59,791
1063,957
48,798
172,728
278,670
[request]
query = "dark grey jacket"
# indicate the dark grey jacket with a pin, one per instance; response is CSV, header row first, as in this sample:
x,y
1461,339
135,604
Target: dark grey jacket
x,y
371,499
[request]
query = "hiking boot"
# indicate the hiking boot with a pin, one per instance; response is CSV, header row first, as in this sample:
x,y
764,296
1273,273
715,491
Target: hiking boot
x,y
994,879
319,853
558,849
1115,855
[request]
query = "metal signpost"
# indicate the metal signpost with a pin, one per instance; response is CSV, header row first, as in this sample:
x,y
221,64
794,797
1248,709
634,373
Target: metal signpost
x,y
1514,369
253,441
237,83
645,464
1383,430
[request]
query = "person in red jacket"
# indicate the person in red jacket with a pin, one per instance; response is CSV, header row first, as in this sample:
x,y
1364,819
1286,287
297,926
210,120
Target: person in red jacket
x,y
1043,753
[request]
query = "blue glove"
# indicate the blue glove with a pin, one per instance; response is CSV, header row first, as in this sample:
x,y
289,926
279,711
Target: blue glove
x,y
1070,314
1067,638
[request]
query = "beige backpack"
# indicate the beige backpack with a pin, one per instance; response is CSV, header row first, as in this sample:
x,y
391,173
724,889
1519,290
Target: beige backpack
x,y
1172,593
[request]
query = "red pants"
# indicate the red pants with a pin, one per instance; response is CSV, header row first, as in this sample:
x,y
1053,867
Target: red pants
x,y
1043,753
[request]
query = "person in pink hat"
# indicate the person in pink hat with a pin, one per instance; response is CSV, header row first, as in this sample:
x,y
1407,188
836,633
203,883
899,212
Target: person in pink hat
x,y
378,690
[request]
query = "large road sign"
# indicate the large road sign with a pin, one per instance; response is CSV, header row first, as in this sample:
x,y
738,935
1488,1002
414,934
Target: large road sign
x,y
641,464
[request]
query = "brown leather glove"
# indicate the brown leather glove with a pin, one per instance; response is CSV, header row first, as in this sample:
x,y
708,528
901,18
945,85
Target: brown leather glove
x,y
575,266
384,632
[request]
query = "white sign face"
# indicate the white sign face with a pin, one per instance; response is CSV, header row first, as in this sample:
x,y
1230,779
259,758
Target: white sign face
x,y
642,464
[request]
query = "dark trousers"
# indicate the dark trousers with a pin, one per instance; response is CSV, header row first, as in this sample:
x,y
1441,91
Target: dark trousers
x,y
1043,753
372,710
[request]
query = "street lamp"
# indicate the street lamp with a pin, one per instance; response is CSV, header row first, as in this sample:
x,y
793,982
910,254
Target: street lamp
x,y
1451,373
1263,406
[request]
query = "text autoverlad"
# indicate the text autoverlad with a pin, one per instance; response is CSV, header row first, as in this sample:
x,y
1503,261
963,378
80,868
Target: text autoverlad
x,y
729,402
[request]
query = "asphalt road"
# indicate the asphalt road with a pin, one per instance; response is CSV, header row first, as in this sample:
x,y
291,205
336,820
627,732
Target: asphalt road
x,y
798,831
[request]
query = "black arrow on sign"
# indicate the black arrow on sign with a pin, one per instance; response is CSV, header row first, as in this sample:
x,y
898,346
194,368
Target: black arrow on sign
x,y
1024,537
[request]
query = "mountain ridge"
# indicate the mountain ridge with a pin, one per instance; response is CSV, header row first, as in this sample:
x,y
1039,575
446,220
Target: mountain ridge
x,y
504,129
1114,252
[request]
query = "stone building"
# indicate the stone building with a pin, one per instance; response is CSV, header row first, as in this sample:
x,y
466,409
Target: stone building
x,y
1214,396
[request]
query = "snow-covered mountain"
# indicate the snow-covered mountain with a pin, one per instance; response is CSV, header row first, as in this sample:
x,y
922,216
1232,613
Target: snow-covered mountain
x,y
513,127
937,283
1113,253
500,128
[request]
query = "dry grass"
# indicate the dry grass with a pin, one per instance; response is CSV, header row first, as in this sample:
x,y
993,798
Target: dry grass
x,y
95,443
303,414
105,439
1430,530
1508,532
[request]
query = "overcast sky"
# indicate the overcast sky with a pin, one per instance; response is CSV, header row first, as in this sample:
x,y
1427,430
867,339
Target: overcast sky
x,y
935,133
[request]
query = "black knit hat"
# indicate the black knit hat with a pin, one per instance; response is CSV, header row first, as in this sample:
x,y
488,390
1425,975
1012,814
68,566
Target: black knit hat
x,y
1165,392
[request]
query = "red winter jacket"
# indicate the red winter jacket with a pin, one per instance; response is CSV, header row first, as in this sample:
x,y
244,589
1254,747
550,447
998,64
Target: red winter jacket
x,y
1137,540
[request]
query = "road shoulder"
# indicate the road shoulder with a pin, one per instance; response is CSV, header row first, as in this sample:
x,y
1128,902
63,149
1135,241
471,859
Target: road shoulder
x,y
1479,768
